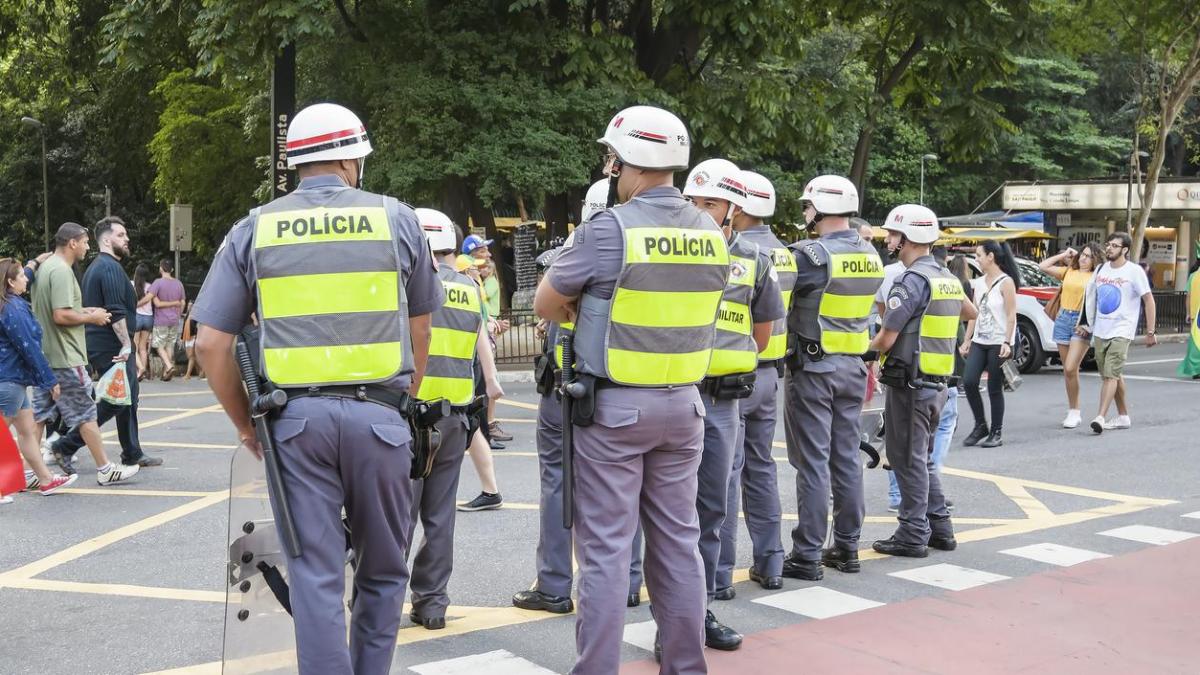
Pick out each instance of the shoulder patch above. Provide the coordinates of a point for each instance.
(894, 302)
(813, 251)
(898, 291)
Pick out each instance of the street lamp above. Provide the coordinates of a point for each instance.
(929, 157)
(29, 121)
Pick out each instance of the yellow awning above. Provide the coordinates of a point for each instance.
(958, 235)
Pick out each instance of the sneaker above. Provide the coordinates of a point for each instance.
(47, 452)
(949, 505)
(31, 481)
(483, 502)
(64, 462)
(495, 444)
(894, 508)
(56, 483)
(1118, 422)
(497, 433)
(1073, 419)
(147, 460)
(117, 473)
(1098, 424)
(5, 499)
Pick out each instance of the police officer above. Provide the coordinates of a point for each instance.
(753, 473)
(342, 284)
(749, 309)
(552, 590)
(919, 331)
(836, 279)
(457, 334)
(645, 279)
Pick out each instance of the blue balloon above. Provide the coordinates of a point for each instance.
(1108, 297)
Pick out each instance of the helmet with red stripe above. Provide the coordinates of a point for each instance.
(716, 179)
(325, 132)
(648, 138)
(438, 229)
(760, 195)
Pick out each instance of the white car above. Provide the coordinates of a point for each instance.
(1035, 330)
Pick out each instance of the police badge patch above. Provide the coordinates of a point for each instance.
(737, 270)
(894, 302)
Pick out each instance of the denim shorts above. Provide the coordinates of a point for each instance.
(13, 399)
(144, 323)
(1064, 327)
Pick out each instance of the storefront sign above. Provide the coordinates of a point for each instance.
(1096, 196)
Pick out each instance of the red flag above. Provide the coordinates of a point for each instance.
(12, 472)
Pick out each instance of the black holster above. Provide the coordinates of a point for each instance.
(423, 417)
(583, 409)
(895, 373)
(544, 374)
(800, 349)
(474, 408)
(726, 387)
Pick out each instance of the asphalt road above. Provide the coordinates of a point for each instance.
(130, 579)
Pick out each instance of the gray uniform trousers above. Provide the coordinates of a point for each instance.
(641, 456)
(720, 432)
(912, 419)
(356, 454)
(554, 566)
(434, 503)
(824, 400)
(753, 478)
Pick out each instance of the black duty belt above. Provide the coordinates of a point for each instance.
(369, 393)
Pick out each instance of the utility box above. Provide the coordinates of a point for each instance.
(181, 227)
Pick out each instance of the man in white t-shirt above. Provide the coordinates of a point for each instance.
(1115, 297)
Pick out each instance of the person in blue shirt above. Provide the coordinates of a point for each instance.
(22, 364)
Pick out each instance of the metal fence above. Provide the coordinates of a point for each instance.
(518, 345)
(1170, 315)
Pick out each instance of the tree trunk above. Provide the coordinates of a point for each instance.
(481, 215)
(1152, 175)
(556, 209)
(862, 157)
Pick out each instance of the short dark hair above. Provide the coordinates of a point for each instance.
(1123, 237)
(166, 266)
(69, 232)
(105, 225)
(939, 253)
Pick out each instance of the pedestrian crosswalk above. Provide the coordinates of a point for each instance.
(818, 601)
(1146, 534)
(1055, 554)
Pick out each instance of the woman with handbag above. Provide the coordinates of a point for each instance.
(989, 338)
(1075, 269)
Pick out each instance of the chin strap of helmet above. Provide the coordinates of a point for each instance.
(613, 175)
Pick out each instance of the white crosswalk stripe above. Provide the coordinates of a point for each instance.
(1055, 554)
(817, 602)
(950, 577)
(1146, 534)
(499, 662)
(641, 635)
(1193, 514)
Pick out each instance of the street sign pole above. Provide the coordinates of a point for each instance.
(283, 107)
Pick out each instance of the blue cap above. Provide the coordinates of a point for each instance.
(473, 242)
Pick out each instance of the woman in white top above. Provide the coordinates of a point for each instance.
(144, 321)
(989, 338)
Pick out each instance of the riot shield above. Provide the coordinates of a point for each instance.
(259, 635)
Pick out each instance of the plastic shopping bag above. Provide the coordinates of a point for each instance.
(12, 474)
(113, 386)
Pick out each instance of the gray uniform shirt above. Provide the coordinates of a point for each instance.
(907, 300)
(229, 297)
(767, 304)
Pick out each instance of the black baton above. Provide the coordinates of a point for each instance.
(260, 406)
(570, 390)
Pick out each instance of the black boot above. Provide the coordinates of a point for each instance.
(841, 559)
(993, 440)
(977, 434)
(798, 568)
(719, 636)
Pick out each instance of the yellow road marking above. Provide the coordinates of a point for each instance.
(517, 404)
(516, 421)
(94, 544)
(1033, 508)
(125, 590)
(163, 394)
(145, 409)
(171, 444)
(1054, 487)
(133, 493)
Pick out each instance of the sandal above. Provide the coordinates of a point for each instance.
(168, 374)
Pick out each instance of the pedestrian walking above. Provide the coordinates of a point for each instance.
(58, 307)
(23, 365)
(1114, 301)
(1190, 366)
(837, 276)
(753, 484)
(989, 339)
(457, 332)
(105, 284)
(343, 285)
(169, 299)
(916, 343)
(143, 319)
(1075, 269)
(645, 279)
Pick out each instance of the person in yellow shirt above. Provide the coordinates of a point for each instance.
(1075, 269)
(1190, 366)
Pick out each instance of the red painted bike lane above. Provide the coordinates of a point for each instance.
(1133, 613)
